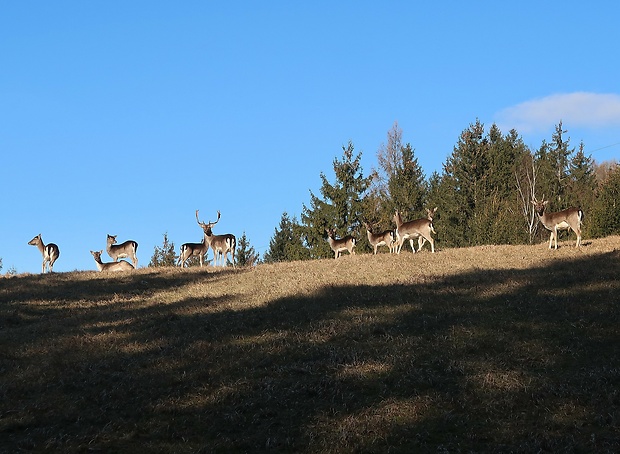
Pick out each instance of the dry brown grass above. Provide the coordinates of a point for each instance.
(503, 348)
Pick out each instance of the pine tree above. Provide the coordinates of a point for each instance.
(341, 207)
(245, 255)
(164, 255)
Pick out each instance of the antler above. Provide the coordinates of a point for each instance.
(201, 224)
(211, 224)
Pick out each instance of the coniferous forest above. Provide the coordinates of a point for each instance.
(483, 194)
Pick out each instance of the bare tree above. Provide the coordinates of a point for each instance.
(389, 157)
(526, 190)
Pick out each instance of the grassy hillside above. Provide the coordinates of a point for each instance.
(504, 348)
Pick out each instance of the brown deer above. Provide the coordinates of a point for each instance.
(110, 266)
(49, 251)
(123, 250)
(221, 244)
(569, 219)
(346, 243)
(385, 238)
(418, 228)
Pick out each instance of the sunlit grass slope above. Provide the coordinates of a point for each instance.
(497, 348)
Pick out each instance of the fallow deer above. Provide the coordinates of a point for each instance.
(569, 219)
(124, 250)
(418, 228)
(49, 251)
(346, 243)
(220, 244)
(110, 266)
(385, 238)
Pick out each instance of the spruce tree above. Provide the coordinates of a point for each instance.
(604, 217)
(341, 206)
(286, 243)
(164, 255)
(406, 186)
(462, 189)
(582, 179)
(502, 209)
(559, 156)
(245, 255)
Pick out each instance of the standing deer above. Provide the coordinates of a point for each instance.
(385, 238)
(123, 250)
(193, 249)
(346, 243)
(110, 266)
(49, 251)
(418, 228)
(569, 219)
(220, 244)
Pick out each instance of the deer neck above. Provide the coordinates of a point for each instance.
(41, 247)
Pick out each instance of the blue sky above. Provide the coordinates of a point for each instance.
(126, 117)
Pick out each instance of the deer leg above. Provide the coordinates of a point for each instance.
(578, 233)
(551, 239)
(411, 244)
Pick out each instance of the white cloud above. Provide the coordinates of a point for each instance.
(581, 109)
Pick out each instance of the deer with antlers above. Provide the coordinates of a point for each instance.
(220, 244)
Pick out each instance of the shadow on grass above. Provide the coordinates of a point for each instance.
(510, 360)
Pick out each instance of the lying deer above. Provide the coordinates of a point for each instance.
(110, 266)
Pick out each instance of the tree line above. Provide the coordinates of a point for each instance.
(484, 193)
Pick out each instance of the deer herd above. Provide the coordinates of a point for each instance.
(222, 245)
